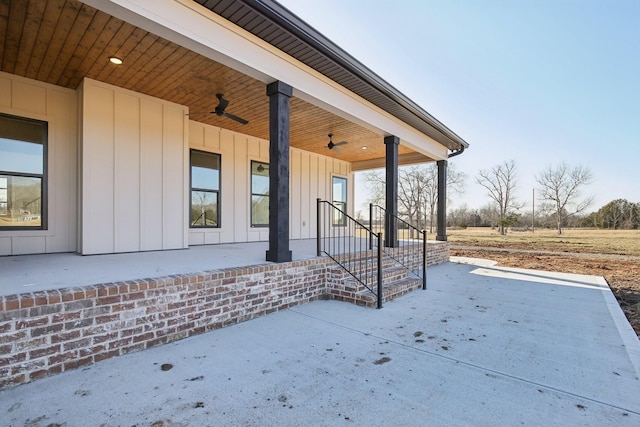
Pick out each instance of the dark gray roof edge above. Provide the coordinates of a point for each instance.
(298, 27)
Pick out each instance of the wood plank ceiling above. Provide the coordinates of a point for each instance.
(62, 41)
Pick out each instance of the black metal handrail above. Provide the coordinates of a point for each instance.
(377, 220)
(345, 240)
(407, 249)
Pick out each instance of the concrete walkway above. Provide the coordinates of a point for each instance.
(482, 346)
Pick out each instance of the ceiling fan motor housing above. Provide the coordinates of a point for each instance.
(331, 144)
(222, 105)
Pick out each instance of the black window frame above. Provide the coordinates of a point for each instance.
(206, 190)
(341, 220)
(44, 188)
(252, 193)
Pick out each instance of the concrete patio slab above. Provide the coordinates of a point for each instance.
(484, 345)
(31, 273)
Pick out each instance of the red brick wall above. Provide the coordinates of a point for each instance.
(48, 332)
(44, 333)
(437, 253)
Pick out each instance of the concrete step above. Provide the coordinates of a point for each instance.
(389, 275)
(396, 280)
(363, 270)
(390, 292)
(355, 261)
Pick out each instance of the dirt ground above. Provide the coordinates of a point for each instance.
(623, 275)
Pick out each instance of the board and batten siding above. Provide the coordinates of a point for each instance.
(118, 173)
(310, 178)
(134, 171)
(59, 108)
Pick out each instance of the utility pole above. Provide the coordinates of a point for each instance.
(533, 211)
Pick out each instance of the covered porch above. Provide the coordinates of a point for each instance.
(130, 98)
(29, 274)
(64, 311)
(244, 82)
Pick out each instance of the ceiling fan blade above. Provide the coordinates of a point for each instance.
(332, 145)
(236, 118)
(200, 112)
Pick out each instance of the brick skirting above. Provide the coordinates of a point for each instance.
(44, 333)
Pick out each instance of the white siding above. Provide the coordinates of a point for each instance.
(241, 188)
(133, 170)
(125, 186)
(151, 169)
(97, 170)
(304, 196)
(57, 106)
(310, 176)
(127, 161)
(227, 193)
(175, 177)
(295, 196)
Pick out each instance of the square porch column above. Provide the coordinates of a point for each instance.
(391, 199)
(441, 228)
(279, 111)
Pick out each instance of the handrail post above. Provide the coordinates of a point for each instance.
(370, 225)
(424, 259)
(379, 270)
(318, 227)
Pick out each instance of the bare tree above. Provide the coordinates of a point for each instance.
(489, 215)
(411, 194)
(633, 221)
(561, 185)
(375, 183)
(455, 184)
(417, 191)
(615, 212)
(500, 182)
(460, 216)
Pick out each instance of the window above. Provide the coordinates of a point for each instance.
(205, 189)
(340, 200)
(23, 177)
(259, 194)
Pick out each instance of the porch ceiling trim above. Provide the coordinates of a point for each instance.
(403, 160)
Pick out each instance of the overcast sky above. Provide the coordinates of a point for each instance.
(536, 81)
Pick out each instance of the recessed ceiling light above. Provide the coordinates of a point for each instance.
(364, 147)
(115, 60)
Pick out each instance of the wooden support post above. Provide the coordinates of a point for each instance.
(391, 199)
(279, 110)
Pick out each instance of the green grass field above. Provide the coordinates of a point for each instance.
(620, 242)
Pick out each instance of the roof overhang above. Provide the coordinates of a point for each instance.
(183, 52)
(275, 24)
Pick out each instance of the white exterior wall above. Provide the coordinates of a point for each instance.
(310, 176)
(134, 171)
(118, 173)
(58, 106)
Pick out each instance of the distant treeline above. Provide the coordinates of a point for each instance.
(618, 214)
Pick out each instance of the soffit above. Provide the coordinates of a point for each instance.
(62, 41)
(274, 24)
